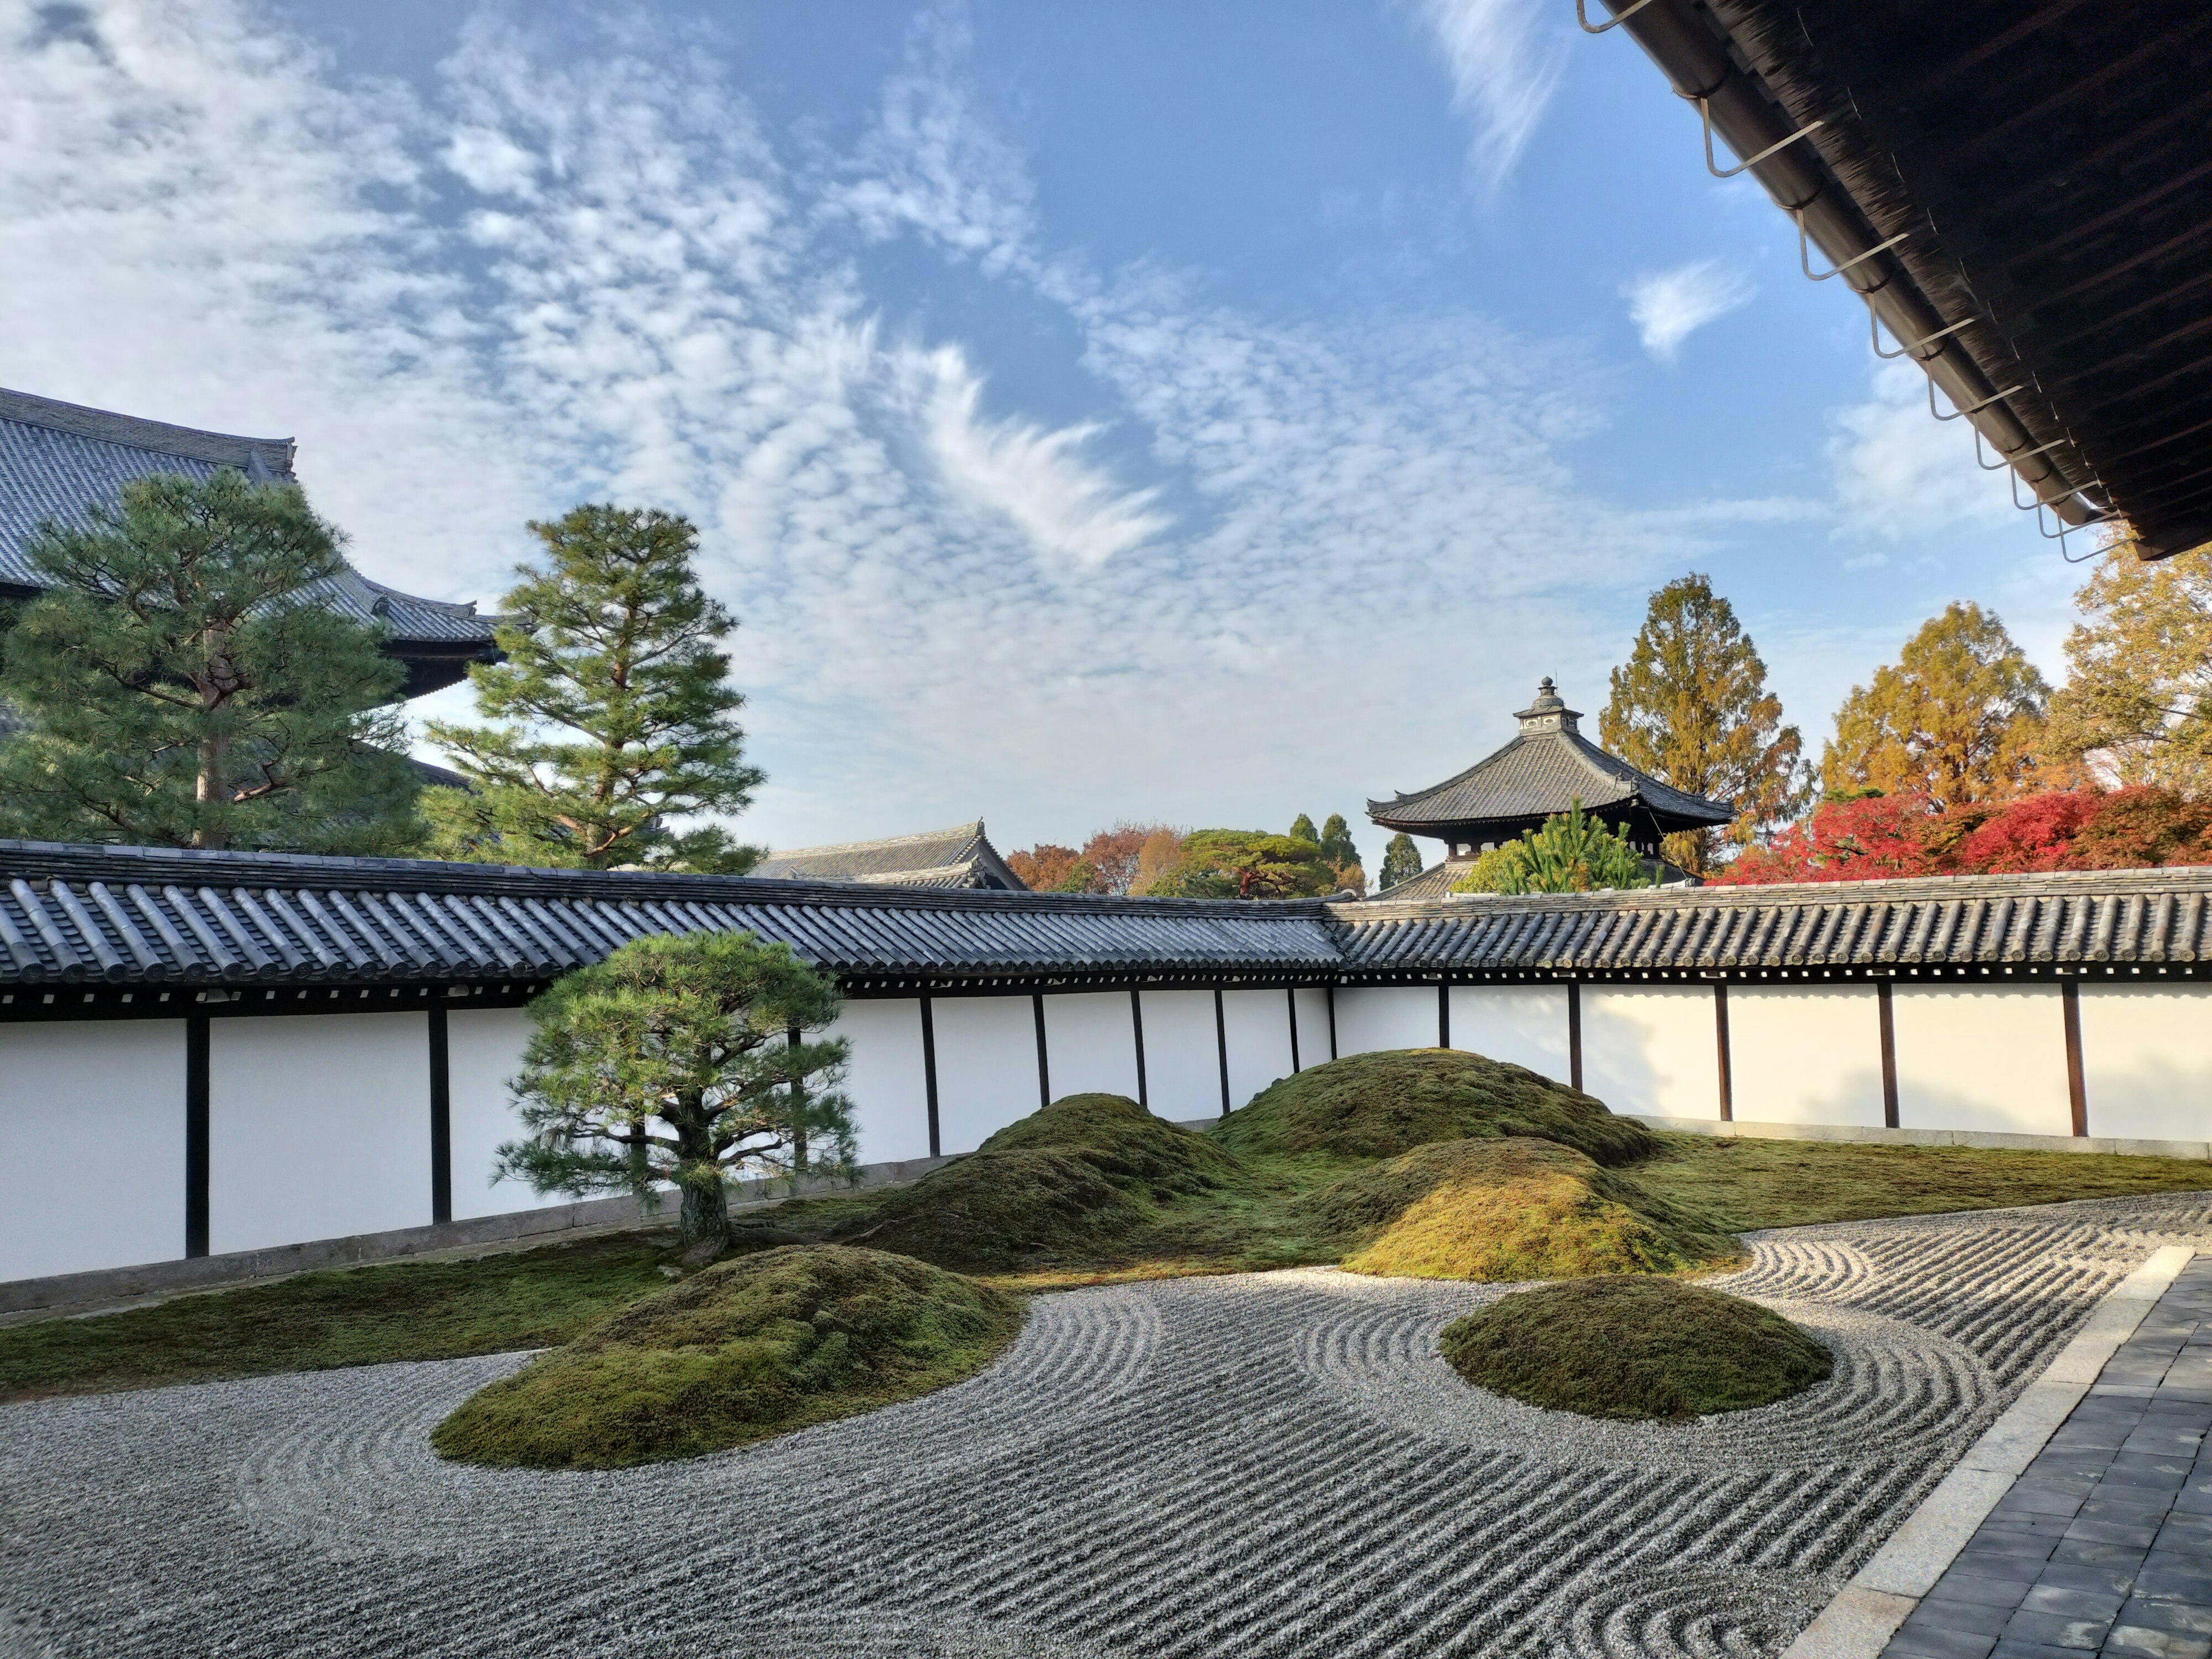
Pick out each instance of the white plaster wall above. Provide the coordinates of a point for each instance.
(1991, 1058)
(1526, 1024)
(92, 1146)
(1256, 1025)
(1182, 1060)
(986, 1069)
(2147, 1060)
(319, 1126)
(1313, 1027)
(1372, 1016)
(483, 1052)
(1805, 1053)
(1091, 1044)
(1652, 1049)
(886, 1079)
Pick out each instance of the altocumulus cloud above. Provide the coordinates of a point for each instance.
(546, 279)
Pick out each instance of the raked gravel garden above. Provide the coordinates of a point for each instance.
(1256, 1463)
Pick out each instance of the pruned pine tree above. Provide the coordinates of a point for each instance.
(1572, 853)
(1402, 861)
(671, 1063)
(184, 684)
(618, 717)
(1251, 864)
(1691, 707)
(1957, 717)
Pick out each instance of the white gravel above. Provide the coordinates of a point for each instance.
(1266, 1464)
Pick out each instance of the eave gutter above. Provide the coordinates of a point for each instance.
(1752, 124)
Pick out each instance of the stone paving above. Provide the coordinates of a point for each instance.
(2103, 1546)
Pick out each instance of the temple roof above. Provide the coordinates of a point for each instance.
(1543, 771)
(959, 857)
(58, 459)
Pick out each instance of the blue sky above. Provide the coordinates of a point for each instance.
(1197, 413)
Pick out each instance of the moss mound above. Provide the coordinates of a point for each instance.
(747, 1349)
(1634, 1348)
(1382, 1104)
(1509, 1209)
(1060, 1185)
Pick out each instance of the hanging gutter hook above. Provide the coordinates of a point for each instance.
(1804, 259)
(1908, 351)
(1618, 17)
(1961, 414)
(1706, 120)
(2012, 458)
(2043, 500)
(2066, 530)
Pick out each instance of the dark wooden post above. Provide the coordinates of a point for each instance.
(1221, 1047)
(1137, 1026)
(1574, 1036)
(1444, 1016)
(1720, 1034)
(1888, 1053)
(1332, 1021)
(195, 1135)
(441, 1120)
(1044, 1067)
(929, 1073)
(2077, 1089)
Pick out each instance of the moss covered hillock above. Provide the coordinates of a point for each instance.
(1379, 1105)
(1633, 1348)
(1060, 1185)
(1507, 1209)
(748, 1348)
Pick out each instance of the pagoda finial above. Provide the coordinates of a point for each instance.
(1549, 712)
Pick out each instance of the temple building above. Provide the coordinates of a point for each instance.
(960, 857)
(1541, 772)
(58, 460)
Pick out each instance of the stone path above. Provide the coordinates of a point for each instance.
(1271, 1464)
(2104, 1545)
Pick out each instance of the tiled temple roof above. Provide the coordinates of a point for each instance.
(960, 856)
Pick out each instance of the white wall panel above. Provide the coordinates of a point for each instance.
(483, 1053)
(1805, 1053)
(1313, 1027)
(1652, 1050)
(1525, 1024)
(987, 1066)
(1183, 1059)
(2147, 1060)
(1091, 1044)
(92, 1146)
(319, 1126)
(1257, 1025)
(886, 1079)
(1991, 1059)
(1372, 1016)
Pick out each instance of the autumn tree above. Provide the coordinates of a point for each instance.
(1114, 854)
(1957, 717)
(2138, 700)
(1402, 861)
(1691, 707)
(1047, 866)
(672, 1063)
(618, 717)
(184, 681)
(1159, 864)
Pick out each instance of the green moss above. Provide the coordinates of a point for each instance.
(746, 1349)
(1509, 1209)
(1125, 1143)
(1633, 1348)
(1379, 1105)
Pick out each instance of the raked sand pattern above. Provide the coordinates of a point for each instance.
(1267, 1464)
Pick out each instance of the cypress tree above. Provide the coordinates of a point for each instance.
(1336, 843)
(1302, 829)
(1402, 861)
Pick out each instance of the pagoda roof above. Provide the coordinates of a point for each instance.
(959, 857)
(1543, 771)
(58, 460)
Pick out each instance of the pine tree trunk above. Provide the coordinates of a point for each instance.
(706, 1213)
(210, 788)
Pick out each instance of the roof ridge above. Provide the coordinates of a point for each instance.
(137, 432)
(973, 829)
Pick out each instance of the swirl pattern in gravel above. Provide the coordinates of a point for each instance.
(1270, 1464)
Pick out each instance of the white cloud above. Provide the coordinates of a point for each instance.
(1667, 305)
(1505, 58)
(1900, 474)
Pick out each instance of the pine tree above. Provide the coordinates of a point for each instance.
(2138, 691)
(1402, 861)
(673, 1062)
(1691, 708)
(1572, 853)
(1957, 717)
(184, 685)
(620, 717)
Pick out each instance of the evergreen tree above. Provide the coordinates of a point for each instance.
(1957, 717)
(1251, 864)
(1302, 829)
(1336, 842)
(183, 686)
(1691, 708)
(1402, 861)
(1571, 853)
(620, 717)
(671, 1063)
(2138, 691)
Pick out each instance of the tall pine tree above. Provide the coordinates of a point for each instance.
(620, 717)
(1691, 708)
(182, 685)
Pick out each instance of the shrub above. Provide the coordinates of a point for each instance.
(1571, 853)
